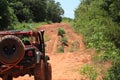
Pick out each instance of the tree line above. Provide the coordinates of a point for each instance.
(99, 22)
(28, 11)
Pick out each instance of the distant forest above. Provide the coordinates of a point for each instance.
(12, 11)
(99, 22)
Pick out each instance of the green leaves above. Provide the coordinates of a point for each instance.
(89, 72)
(99, 22)
(29, 11)
(92, 19)
(54, 11)
(7, 16)
(61, 32)
(37, 10)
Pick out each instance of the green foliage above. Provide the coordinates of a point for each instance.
(74, 46)
(3, 11)
(65, 19)
(23, 27)
(54, 11)
(21, 11)
(89, 72)
(68, 20)
(96, 25)
(96, 58)
(99, 22)
(12, 11)
(7, 15)
(60, 49)
(64, 40)
(113, 7)
(37, 10)
(25, 39)
(12, 19)
(61, 32)
(114, 71)
(27, 26)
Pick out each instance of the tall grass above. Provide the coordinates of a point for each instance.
(27, 26)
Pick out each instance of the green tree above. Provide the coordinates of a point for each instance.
(21, 11)
(113, 7)
(7, 17)
(99, 22)
(3, 15)
(39, 10)
(54, 11)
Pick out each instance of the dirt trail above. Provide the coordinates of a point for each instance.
(65, 66)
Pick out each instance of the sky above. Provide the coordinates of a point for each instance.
(69, 7)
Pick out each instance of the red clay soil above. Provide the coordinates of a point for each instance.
(65, 66)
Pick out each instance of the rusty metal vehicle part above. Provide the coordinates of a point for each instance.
(12, 49)
(23, 52)
(43, 71)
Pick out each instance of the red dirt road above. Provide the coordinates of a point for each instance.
(65, 66)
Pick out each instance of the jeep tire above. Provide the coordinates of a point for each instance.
(43, 71)
(12, 49)
(48, 72)
(39, 71)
